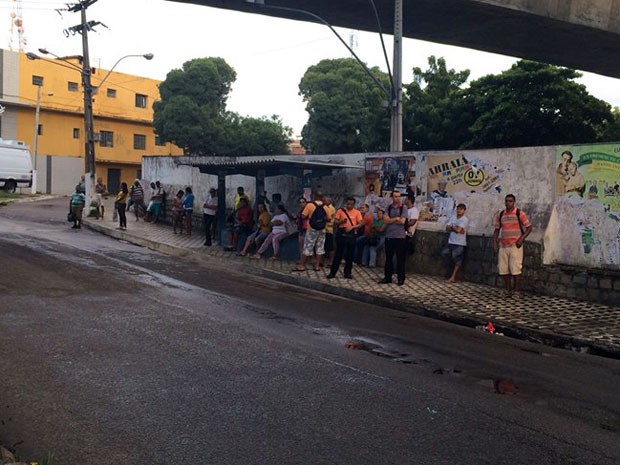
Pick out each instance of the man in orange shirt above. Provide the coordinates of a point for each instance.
(348, 221)
(515, 227)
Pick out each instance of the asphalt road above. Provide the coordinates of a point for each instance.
(114, 354)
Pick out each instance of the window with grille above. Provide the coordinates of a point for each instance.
(139, 141)
(106, 139)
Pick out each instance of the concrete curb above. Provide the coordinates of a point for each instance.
(511, 330)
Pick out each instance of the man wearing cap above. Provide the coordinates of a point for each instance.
(457, 240)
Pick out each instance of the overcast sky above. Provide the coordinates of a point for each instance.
(269, 55)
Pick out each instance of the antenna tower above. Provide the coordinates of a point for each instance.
(353, 42)
(17, 28)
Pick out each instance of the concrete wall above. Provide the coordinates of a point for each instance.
(527, 172)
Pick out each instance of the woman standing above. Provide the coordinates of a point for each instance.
(188, 209)
(302, 224)
(121, 204)
(177, 212)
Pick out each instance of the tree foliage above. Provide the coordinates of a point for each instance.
(347, 111)
(430, 119)
(192, 114)
(529, 104)
(532, 104)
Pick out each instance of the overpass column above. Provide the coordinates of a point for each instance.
(396, 126)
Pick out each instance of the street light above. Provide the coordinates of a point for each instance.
(396, 92)
(89, 91)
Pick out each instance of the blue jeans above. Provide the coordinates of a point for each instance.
(369, 256)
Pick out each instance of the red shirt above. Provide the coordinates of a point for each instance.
(244, 216)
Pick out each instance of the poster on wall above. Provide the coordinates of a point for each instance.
(587, 185)
(385, 174)
(591, 172)
(457, 173)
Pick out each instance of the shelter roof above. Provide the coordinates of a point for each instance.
(272, 165)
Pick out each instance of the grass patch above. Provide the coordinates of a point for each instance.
(610, 424)
(6, 196)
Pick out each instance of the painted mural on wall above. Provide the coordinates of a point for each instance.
(587, 209)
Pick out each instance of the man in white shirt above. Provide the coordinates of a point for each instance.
(413, 214)
(209, 212)
(457, 240)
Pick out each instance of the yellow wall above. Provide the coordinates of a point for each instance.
(63, 111)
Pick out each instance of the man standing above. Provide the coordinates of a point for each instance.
(515, 227)
(413, 214)
(318, 216)
(241, 195)
(348, 221)
(209, 212)
(457, 240)
(330, 243)
(395, 243)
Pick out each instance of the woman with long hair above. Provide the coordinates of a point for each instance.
(121, 204)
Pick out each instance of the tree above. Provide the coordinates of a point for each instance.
(192, 114)
(532, 104)
(347, 110)
(430, 119)
(610, 131)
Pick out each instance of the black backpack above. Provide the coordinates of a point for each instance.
(318, 219)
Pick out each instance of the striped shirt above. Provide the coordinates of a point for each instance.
(510, 228)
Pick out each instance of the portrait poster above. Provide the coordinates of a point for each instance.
(388, 173)
(591, 172)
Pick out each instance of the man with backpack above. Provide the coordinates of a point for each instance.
(515, 226)
(395, 239)
(314, 243)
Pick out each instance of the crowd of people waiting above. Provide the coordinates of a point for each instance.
(326, 235)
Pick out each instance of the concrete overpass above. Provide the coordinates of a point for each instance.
(580, 34)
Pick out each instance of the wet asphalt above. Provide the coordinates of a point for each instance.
(113, 353)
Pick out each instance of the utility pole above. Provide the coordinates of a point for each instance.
(396, 131)
(89, 133)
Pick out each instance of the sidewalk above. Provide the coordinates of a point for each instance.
(549, 320)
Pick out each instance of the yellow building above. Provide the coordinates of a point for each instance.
(123, 120)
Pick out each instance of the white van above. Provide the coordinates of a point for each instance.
(15, 165)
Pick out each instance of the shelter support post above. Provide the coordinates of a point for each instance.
(220, 221)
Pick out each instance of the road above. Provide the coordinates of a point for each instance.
(115, 354)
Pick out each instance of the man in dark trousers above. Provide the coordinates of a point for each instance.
(347, 221)
(395, 242)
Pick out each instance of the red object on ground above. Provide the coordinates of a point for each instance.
(490, 328)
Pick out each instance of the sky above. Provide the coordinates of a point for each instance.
(269, 55)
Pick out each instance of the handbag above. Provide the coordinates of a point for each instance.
(71, 217)
(373, 240)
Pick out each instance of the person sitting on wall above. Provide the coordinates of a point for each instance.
(243, 224)
(263, 228)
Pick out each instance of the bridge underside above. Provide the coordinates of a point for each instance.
(464, 23)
